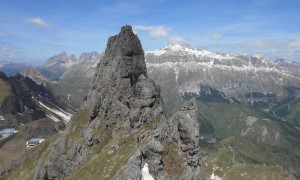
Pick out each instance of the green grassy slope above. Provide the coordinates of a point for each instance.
(5, 90)
(15, 148)
(105, 160)
(242, 158)
(26, 168)
(247, 141)
(221, 120)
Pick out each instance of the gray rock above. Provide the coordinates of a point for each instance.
(152, 153)
(98, 124)
(61, 160)
(122, 99)
(181, 130)
(185, 129)
(133, 167)
(121, 88)
(88, 136)
(191, 173)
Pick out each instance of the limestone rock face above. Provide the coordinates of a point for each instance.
(185, 132)
(177, 136)
(121, 89)
(64, 156)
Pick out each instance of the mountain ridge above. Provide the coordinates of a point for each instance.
(122, 104)
(176, 59)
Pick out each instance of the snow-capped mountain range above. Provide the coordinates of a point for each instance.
(181, 53)
(178, 57)
(188, 50)
(181, 70)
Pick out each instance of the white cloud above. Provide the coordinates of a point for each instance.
(37, 21)
(215, 35)
(176, 39)
(9, 52)
(154, 31)
(294, 44)
(275, 48)
(264, 44)
(159, 32)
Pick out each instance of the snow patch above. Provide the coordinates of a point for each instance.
(28, 110)
(265, 131)
(257, 56)
(191, 51)
(194, 87)
(191, 88)
(214, 177)
(250, 120)
(243, 174)
(52, 117)
(2, 118)
(176, 71)
(277, 136)
(145, 173)
(157, 52)
(297, 128)
(210, 64)
(243, 133)
(64, 115)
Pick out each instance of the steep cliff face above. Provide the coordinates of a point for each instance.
(121, 126)
(172, 148)
(121, 90)
(253, 81)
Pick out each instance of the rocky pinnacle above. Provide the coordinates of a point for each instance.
(121, 89)
(126, 103)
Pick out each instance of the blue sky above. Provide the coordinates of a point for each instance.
(31, 31)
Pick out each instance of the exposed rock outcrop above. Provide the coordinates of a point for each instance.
(122, 98)
(121, 90)
(64, 157)
(3, 75)
(125, 103)
(172, 151)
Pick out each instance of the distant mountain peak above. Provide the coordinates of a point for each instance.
(178, 46)
(61, 59)
(185, 49)
(90, 56)
(257, 56)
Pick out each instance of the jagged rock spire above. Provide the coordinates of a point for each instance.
(121, 101)
(121, 88)
(123, 58)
